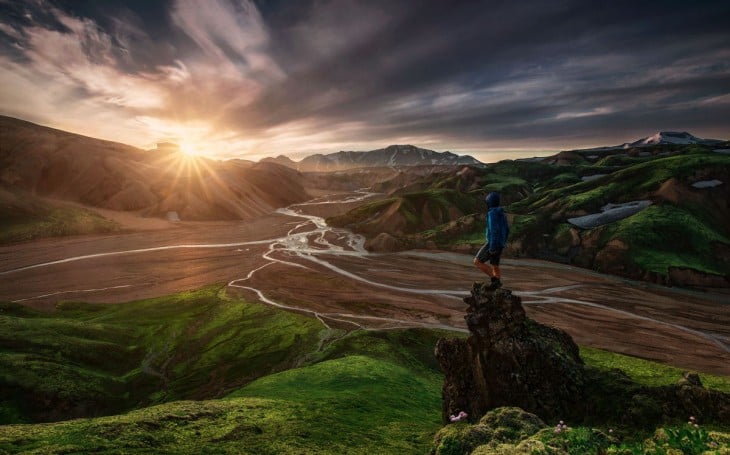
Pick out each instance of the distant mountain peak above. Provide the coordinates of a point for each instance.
(392, 155)
(658, 138)
(670, 137)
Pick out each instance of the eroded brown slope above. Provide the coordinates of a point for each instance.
(51, 163)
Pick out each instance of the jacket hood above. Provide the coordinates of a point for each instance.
(492, 200)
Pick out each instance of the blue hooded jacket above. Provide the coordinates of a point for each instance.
(497, 225)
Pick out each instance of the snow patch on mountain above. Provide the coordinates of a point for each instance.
(658, 138)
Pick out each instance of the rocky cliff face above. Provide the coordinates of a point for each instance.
(509, 360)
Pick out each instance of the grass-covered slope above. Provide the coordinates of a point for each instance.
(283, 383)
(364, 392)
(354, 404)
(682, 238)
(88, 359)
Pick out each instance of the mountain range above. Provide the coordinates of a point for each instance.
(660, 138)
(677, 183)
(393, 155)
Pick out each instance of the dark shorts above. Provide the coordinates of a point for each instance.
(484, 255)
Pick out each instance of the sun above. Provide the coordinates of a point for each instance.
(188, 150)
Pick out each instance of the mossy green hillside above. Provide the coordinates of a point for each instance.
(354, 404)
(88, 359)
(415, 211)
(687, 231)
(685, 227)
(665, 236)
(365, 392)
(362, 392)
(629, 183)
(645, 372)
(391, 406)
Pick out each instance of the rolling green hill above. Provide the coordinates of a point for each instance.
(86, 360)
(197, 372)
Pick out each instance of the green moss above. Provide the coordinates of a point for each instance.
(566, 178)
(664, 236)
(645, 372)
(350, 403)
(522, 224)
(412, 348)
(461, 438)
(339, 396)
(502, 183)
(193, 344)
(565, 439)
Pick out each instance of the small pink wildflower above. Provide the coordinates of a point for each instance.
(459, 417)
(692, 418)
(697, 426)
(610, 430)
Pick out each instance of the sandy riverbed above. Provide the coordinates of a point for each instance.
(321, 272)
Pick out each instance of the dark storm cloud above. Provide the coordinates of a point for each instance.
(281, 76)
(517, 71)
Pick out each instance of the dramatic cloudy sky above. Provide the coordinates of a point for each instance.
(252, 78)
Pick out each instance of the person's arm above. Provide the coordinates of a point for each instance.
(492, 232)
(504, 226)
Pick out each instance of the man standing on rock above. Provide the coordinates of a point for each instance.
(497, 231)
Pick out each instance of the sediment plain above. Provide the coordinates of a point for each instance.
(293, 260)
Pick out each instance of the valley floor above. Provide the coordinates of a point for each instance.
(293, 260)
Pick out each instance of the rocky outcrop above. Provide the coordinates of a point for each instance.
(509, 360)
(384, 242)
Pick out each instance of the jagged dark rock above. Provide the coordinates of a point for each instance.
(509, 360)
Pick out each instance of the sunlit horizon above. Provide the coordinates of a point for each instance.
(251, 80)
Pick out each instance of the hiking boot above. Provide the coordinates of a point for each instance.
(496, 283)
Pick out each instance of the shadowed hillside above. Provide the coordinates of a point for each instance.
(49, 163)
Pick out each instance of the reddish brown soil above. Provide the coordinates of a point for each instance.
(682, 328)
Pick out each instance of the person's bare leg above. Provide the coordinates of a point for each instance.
(497, 272)
(486, 268)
